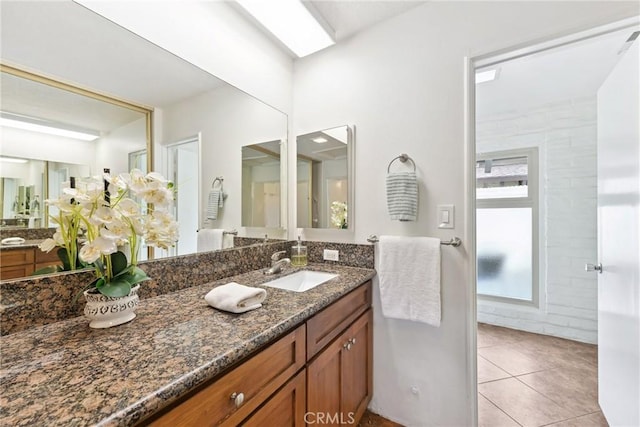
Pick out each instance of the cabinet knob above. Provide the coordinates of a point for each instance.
(353, 341)
(238, 399)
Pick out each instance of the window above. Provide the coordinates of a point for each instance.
(507, 224)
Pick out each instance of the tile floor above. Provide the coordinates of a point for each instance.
(527, 379)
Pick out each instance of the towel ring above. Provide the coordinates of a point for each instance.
(218, 178)
(403, 158)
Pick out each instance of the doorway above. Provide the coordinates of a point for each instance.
(537, 307)
(183, 169)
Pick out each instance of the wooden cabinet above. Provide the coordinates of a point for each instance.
(273, 388)
(285, 409)
(16, 263)
(340, 379)
(21, 262)
(231, 398)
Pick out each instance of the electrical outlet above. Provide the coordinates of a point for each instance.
(331, 255)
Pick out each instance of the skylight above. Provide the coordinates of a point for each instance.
(292, 23)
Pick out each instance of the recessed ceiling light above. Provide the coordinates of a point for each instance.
(12, 160)
(37, 125)
(319, 140)
(292, 23)
(486, 76)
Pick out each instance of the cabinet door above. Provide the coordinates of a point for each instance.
(340, 379)
(286, 408)
(324, 387)
(357, 367)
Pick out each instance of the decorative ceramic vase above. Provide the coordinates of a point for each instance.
(105, 312)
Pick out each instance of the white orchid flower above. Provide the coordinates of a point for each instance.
(157, 194)
(128, 207)
(103, 215)
(47, 245)
(91, 251)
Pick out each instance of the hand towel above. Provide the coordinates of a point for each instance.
(216, 200)
(235, 298)
(402, 196)
(409, 277)
(210, 239)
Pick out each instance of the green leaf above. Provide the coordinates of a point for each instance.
(116, 288)
(95, 284)
(48, 270)
(64, 257)
(118, 262)
(136, 276)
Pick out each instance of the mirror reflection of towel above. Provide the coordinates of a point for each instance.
(216, 200)
(210, 239)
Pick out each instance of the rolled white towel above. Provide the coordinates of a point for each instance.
(235, 298)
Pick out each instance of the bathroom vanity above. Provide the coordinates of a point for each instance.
(182, 362)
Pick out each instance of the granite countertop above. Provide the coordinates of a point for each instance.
(66, 373)
(25, 244)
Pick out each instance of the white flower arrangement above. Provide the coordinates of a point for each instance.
(101, 224)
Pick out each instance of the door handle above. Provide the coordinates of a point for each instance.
(593, 267)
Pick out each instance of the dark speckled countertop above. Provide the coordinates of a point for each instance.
(68, 374)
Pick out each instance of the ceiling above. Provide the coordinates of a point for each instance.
(73, 44)
(573, 71)
(349, 17)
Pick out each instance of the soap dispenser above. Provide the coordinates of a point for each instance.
(299, 254)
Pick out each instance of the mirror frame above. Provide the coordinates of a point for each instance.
(351, 175)
(39, 78)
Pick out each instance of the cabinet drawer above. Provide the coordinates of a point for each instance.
(50, 258)
(256, 379)
(15, 271)
(16, 257)
(330, 322)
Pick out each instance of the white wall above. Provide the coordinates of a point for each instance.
(401, 84)
(112, 150)
(212, 36)
(565, 133)
(227, 119)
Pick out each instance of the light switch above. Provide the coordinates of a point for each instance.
(446, 218)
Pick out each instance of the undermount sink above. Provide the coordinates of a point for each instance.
(301, 281)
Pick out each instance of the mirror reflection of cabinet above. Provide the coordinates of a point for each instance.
(261, 185)
(325, 179)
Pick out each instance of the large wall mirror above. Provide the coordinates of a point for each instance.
(199, 122)
(325, 179)
(53, 132)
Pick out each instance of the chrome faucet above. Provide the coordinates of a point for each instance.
(277, 263)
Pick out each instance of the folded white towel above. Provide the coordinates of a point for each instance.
(235, 298)
(402, 196)
(210, 239)
(409, 277)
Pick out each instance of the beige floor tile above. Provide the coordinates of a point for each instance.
(513, 361)
(487, 371)
(524, 405)
(592, 420)
(489, 335)
(489, 415)
(574, 389)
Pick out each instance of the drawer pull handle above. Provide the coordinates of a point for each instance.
(238, 399)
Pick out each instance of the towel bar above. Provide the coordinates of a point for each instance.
(455, 241)
(234, 232)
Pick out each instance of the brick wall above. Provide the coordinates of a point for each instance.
(565, 133)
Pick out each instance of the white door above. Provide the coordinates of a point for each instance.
(618, 241)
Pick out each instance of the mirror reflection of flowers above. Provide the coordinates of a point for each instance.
(339, 214)
(102, 227)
